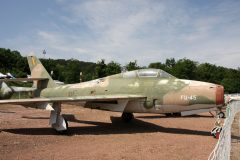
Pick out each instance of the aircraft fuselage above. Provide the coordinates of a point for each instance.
(163, 94)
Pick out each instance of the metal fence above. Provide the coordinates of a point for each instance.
(223, 147)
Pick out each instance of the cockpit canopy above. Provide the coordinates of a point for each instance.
(147, 73)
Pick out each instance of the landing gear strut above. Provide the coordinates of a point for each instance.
(127, 117)
(215, 132)
(57, 121)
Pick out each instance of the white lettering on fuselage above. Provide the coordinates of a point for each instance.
(189, 97)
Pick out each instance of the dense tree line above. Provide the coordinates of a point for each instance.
(68, 71)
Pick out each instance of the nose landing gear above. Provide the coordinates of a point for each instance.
(221, 115)
(215, 132)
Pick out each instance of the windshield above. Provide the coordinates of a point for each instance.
(164, 74)
(147, 73)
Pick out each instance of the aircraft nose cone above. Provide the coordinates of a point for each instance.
(219, 95)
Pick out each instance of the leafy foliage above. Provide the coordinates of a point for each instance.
(132, 66)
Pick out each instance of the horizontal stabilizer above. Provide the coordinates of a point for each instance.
(23, 89)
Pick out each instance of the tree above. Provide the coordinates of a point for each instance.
(132, 66)
(231, 81)
(185, 68)
(209, 73)
(101, 69)
(113, 68)
(170, 63)
(157, 65)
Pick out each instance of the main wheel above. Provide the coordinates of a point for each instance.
(169, 114)
(61, 129)
(177, 114)
(127, 117)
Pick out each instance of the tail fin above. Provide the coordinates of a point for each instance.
(38, 71)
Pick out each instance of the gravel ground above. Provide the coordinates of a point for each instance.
(93, 135)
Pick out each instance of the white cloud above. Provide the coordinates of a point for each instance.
(146, 31)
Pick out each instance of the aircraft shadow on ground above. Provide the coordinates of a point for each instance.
(162, 116)
(30, 117)
(235, 137)
(103, 128)
(7, 112)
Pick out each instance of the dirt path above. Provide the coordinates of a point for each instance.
(95, 135)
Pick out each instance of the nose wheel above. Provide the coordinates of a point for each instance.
(221, 115)
(61, 127)
(127, 117)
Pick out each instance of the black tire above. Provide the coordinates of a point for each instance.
(127, 117)
(63, 131)
(221, 115)
(169, 114)
(177, 114)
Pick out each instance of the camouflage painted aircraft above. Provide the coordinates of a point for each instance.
(139, 91)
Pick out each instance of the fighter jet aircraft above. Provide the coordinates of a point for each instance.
(139, 91)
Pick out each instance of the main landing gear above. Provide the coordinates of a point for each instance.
(57, 121)
(127, 117)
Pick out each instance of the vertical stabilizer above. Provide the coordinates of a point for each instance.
(38, 71)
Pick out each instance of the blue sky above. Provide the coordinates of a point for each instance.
(124, 30)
